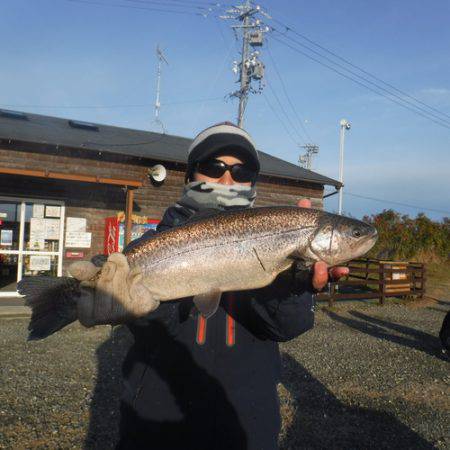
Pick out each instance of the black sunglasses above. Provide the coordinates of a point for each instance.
(214, 168)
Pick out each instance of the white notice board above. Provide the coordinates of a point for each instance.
(78, 239)
(76, 224)
(38, 262)
(52, 211)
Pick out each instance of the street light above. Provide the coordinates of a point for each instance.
(344, 125)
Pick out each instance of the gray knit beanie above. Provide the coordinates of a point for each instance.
(220, 137)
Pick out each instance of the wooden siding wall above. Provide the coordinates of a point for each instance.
(96, 202)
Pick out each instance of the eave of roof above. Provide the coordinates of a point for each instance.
(56, 131)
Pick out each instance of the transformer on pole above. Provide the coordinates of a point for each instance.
(250, 68)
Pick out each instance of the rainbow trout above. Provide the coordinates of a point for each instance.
(229, 251)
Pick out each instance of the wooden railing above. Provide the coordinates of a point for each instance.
(372, 278)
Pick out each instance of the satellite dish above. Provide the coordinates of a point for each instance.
(157, 173)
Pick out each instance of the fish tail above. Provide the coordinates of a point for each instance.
(53, 301)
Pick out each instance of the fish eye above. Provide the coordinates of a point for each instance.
(356, 233)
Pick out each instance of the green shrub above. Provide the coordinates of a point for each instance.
(404, 238)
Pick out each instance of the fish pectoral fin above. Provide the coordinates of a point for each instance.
(270, 264)
(207, 303)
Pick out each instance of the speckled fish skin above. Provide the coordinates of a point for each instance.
(245, 249)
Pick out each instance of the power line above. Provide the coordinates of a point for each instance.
(284, 112)
(280, 119)
(116, 5)
(445, 125)
(201, 3)
(143, 105)
(219, 72)
(287, 96)
(366, 80)
(168, 3)
(346, 61)
(397, 203)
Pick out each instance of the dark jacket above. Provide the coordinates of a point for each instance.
(209, 385)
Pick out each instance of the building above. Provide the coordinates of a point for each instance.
(70, 189)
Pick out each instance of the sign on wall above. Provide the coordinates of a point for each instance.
(76, 235)
(76, 224)
(78, 239)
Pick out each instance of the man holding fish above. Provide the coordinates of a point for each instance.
(207, 298)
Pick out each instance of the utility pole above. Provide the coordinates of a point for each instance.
(250, 68)
(344, 125)
(306, 159)
(161, 59)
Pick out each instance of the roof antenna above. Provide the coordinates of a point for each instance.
(161, 59)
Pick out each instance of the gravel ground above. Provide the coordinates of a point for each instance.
(365, 377)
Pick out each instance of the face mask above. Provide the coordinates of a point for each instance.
(199, 195)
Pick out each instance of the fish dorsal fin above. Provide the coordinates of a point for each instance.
(207, 303)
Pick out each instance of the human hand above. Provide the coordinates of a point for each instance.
(321, 272)
(112, 293)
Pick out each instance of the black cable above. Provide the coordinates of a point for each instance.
(279, 119)
(360, 83)
(112, 106)
(168, 3)
(284, 111)
(365, 79)
(287, 96)
(199, 3)
(289, 29)
(396, 203)
(115, 5)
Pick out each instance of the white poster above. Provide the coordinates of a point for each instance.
(37, 234)
(38, 211)
(78, 239)
(38, 262)
(6, 237)
(52, 211)
(76, 224)
(52, 229)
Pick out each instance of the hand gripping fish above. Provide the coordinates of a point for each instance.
(229, 251)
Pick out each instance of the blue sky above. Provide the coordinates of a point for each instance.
(75, 57)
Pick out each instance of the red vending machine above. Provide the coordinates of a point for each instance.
(115, 231)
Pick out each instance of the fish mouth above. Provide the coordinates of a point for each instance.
(367, 243)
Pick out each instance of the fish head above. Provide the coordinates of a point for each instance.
(340, 239)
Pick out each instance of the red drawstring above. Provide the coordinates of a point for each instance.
(231, 325)
(230, 337)
(201, 330)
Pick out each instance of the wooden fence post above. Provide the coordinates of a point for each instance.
(423, 281)
(331, 295)
(382, 284)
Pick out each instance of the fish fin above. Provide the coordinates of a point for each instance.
(53, 301)
(207, 303)
(269, 264)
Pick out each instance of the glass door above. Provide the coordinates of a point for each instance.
(9, 244)
(31, 240)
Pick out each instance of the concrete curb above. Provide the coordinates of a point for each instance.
(14, 312)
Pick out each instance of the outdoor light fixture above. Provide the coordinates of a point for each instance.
(157, 174)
